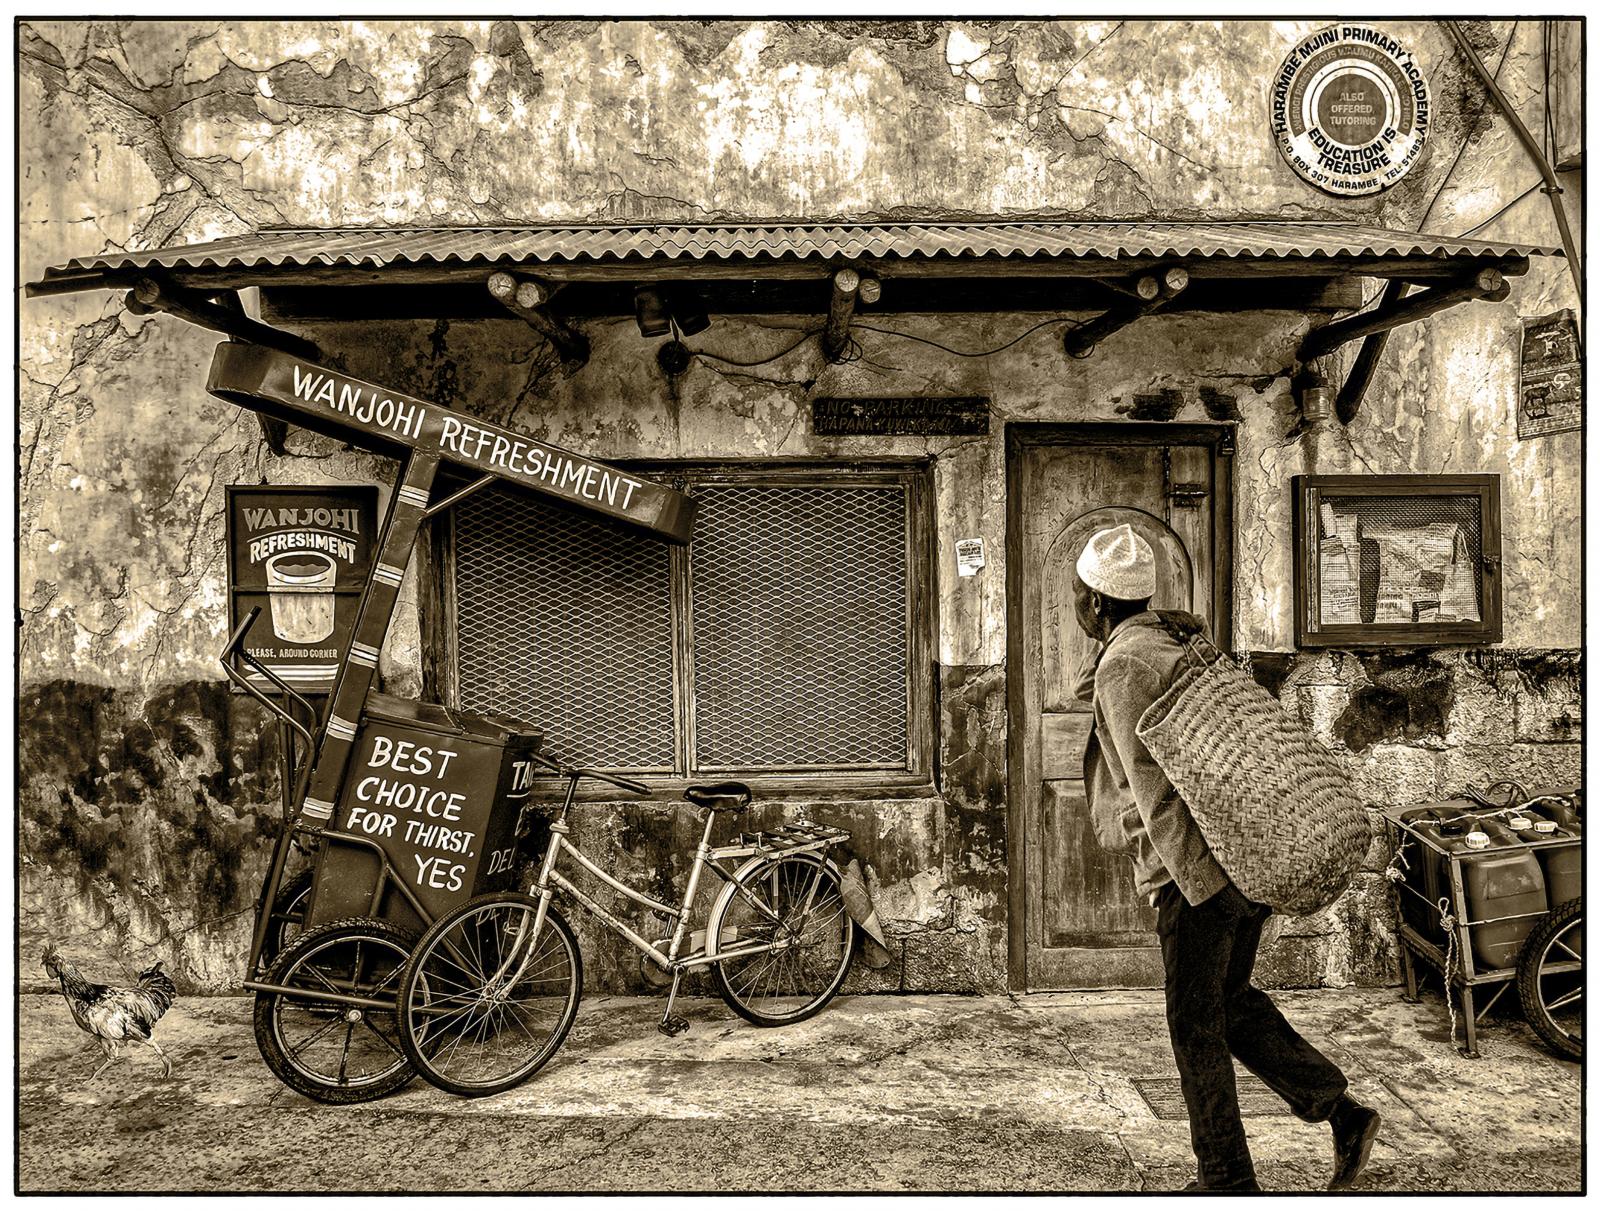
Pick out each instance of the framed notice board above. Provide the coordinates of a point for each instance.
(301, 554)
(1396, 560)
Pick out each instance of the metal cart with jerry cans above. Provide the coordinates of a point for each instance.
(1490, 889)
(403, 809)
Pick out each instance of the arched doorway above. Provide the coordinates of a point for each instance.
(1080, 924)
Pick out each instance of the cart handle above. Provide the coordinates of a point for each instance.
(566, 771)
(239, 679)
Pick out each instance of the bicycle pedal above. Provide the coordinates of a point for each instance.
(673, 1027)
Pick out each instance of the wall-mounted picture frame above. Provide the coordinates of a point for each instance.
(1396, 560)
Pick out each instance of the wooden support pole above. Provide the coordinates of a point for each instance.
(846, 285)
(1359, 379)
(536, 292)
(274, 432)
(526, 299)
(193, 307)
(1143, 287)
(870, 290)
(1486, 284)
(1150, 293)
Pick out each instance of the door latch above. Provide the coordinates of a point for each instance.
(1187, 496)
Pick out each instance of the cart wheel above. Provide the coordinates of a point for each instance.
(1550, 979)
(484, 1004)
(288, 916)
(330, 1052)
(800, 901)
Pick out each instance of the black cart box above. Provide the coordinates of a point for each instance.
(442, 794)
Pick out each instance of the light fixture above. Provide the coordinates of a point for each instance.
(688, 310)
(1316, 400)
(673, 358)
(650, 309)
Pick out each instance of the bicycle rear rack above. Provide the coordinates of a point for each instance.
(801, 837)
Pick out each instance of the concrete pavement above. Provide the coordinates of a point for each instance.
(1063, 1092)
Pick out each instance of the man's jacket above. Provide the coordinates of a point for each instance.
(1132, 805)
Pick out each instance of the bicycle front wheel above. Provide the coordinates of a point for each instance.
(787, 915)
(483, 1003)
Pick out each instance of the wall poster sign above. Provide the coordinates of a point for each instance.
(301, 554)
(900, 416)
(1350, 110)
(1550, 399)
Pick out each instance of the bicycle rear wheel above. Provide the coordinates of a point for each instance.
(796, 904)
(484, 1004)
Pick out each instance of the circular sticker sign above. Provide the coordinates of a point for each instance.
(1350, 110)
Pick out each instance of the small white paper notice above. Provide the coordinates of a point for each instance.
(969, 556)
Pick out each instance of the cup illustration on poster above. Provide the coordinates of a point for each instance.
(300, 555)
(300, 588)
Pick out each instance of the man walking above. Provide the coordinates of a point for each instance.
(1209, 931)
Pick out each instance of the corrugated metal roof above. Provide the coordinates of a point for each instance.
(376, 247)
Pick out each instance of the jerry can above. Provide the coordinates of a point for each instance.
(1504, 881)
(1443, 824)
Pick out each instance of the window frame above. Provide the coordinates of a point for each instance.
(440, 654)
(1311, 632)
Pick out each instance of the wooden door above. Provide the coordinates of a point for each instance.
(1081, 924)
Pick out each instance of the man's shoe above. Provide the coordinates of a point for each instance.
(1354, 1128)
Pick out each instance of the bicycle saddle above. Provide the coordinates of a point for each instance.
(719, 796)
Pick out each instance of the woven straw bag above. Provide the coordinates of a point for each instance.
(1273, 804)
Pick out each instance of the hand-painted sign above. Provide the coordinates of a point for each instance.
(446, 795)
(1350, 110)
(364, 413)
(302, 555)
(911, 416)
(1551, 398)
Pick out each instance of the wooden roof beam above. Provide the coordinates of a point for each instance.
(1489, 285)
(529, 298)
(848, 287)
(1418, 269)
(1147, 292)
(150, 295)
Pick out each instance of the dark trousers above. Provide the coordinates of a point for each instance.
(1213, 1015)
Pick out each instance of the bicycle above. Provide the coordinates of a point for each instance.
(492, 987)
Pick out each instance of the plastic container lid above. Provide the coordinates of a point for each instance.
(1477, 840)
(1544, 826)
(1519, 823)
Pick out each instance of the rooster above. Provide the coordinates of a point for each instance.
(115, 1015)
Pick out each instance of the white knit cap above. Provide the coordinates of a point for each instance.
(1119, 563)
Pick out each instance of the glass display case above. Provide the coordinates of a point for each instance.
(1396, 560)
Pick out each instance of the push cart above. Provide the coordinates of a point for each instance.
(1440, 920)
(399, 812)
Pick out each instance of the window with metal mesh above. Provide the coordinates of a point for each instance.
(795, 646)
(566, 621)
(800, 626)
(1399, 559)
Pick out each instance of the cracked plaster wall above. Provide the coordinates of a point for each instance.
(146, 832)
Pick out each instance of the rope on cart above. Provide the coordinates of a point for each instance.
(1447, 921)
(1395, 872)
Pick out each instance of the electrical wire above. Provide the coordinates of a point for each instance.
(1549, 109)
(852, 350)
(1488, 100)
(728, 361)
(1532, 189)
(976, 353)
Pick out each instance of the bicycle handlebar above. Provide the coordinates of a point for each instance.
(568, 771)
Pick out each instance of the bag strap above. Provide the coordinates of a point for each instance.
(1191, 648)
